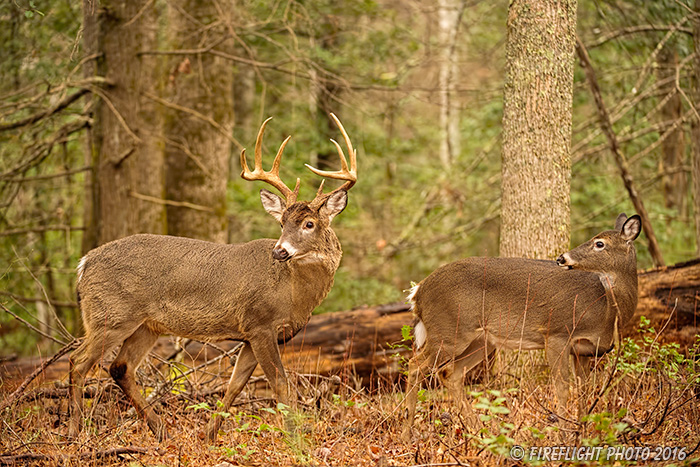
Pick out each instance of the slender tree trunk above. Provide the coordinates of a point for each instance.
(671, 163)
(197, 153)
(695, 129)
(122, 143)
(449, 16)
(536, 173)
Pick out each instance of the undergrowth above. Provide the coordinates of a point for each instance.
(644, 396)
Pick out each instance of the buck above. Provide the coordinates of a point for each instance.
(261, 293)
(467, 309)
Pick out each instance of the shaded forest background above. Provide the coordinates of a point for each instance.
(87, 90)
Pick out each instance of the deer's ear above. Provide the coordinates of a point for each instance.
(273, 204)
(334, 205)
(631, 228)
(620, 221)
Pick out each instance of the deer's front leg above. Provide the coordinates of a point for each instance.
(245, 365)
(267, 353)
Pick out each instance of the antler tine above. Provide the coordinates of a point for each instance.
(273, 176)
(349, 175)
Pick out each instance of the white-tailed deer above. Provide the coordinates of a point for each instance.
(467, 309)
(261, 293)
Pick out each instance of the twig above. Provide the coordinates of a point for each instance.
(61, 328)
(30, 325)
(620, 160)
(169, 202)
(18, 392)
(31, 456)
(46, 113)
(42, 228)
(226, 133)
(50, 176)
(20, 298)
(634, 30)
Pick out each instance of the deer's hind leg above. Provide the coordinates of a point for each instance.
(476, 352)
(427, 359)
(123, 369)
(95, 345)
(558, 353)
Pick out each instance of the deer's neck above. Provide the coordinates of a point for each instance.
(312, 275)
(621, 292)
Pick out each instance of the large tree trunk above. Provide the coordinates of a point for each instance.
(695, 129)
(197, 152)
(671, 164)
(122, 144)
(538, 94)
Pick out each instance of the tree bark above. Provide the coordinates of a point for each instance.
(671, 163)
(197, 154)
(122, 144)
(536, 172)
(449, 16)
(695, 128)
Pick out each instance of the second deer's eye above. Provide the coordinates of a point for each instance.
(309, 225)
(599, 245)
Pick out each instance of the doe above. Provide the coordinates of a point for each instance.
(261, 293)
(467, 309)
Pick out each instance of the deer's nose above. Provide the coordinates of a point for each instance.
(280, 254)
(563, 262)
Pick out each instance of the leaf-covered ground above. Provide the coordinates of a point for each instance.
(644, 397)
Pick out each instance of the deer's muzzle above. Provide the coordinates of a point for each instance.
(280, 254)
(564, 262)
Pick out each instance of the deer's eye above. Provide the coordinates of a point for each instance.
(599, 245)
(309, 225)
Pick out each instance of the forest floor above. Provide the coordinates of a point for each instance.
(639, 407)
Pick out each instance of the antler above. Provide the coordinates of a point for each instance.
(273, 176)
(349, 175)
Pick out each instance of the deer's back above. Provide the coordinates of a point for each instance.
(498, 294)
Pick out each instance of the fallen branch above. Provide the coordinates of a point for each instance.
(18, 392)
(33, 457)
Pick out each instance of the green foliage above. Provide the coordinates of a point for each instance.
(496, 434)
(608, 427)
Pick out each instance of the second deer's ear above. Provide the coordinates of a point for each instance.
(631, 228)
(273, 204)
(334, 205)
(620, 221)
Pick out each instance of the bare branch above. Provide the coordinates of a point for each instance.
(620, 160)
(168, 202)
(41, 228)
(611, 35)
(18, 392)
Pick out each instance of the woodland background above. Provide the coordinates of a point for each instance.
(122, 117)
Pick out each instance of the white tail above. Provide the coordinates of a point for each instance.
(467, 309)
(263, 292)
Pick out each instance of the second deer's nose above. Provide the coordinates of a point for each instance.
(280, 254)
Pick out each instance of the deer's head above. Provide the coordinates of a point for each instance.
(608, 252)
(306, 225)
